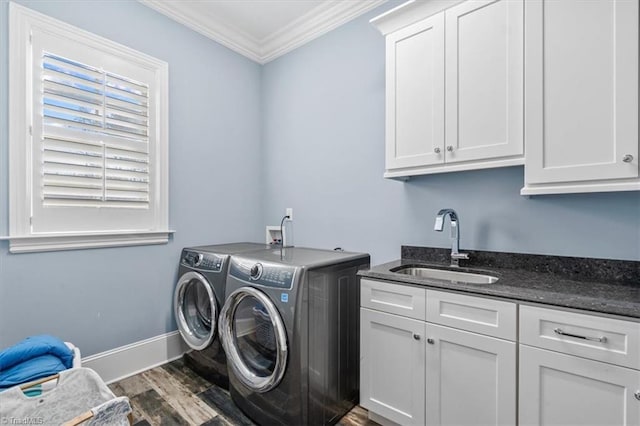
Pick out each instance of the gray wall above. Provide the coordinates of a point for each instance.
(323, 112)
(104, 298)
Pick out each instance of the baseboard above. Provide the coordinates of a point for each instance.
(119, 363)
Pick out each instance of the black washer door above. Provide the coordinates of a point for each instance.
(254, 339)
(196, 310)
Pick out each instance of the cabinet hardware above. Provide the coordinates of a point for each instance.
(637, 395)
(416, 336)
(430, 341)
(577, 336)
(436, 150)
(450, 148)
(627, 158)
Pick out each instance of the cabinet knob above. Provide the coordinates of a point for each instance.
(450, 148)
(416, 336)
(627, 158)
(436, 150)
(637, 395)
(430, 341)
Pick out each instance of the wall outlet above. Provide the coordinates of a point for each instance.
(289, 212)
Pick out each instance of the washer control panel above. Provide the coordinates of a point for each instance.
(202, 261)
(263, 274)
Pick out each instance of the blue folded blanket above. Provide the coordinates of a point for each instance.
(33, 358)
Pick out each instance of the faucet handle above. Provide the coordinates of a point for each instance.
(456, 257)
(459, 256)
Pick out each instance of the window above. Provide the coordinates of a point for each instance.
(88, 139)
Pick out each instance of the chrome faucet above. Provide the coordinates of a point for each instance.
(455, 234)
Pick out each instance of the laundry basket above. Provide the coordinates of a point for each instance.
(77, 358)
(78, 397)
(34, 358)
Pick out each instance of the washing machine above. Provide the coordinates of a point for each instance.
(198, 297)
(290, 329)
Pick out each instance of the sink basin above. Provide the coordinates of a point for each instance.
(446, 275)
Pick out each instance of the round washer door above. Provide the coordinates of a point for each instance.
(254, 339)
(196, 311)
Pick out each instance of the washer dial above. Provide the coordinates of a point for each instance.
(256, 271)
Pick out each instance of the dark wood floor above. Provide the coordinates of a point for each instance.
(173, 394)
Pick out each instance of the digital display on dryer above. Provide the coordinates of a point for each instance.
(262, 274)
(276, 277)
(202, 261)
(211, 262)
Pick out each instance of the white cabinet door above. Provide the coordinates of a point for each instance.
(558, 390)
(415, 94)
(581, 90)
(392, 350)
(484, 80)
(471, 379)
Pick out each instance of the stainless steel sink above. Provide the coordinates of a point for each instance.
(446, 275)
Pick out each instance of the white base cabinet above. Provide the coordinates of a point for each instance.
(558, 390)
(471, 378)
(578, 369)
(392, 378)
(414, 372)
(453, 359)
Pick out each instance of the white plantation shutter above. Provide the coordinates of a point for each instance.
(88, 137)
(79, 170)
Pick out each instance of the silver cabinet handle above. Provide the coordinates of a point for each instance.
(450, 148)
(436, 150)
(577, 336)
(637, 395)
(416, 336)
(430, 341)
(627, 158)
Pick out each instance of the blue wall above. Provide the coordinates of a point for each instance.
(305, 131)
(104, 298)
(323, 112)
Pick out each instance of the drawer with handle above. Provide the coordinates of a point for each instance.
(396, 299)
(587, 335)
(477, 314)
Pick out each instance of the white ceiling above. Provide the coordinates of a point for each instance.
(262, 30)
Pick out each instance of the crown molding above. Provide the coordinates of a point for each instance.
(409, 13)
(227, 35)
(313, 24)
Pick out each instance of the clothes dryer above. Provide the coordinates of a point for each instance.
(290, 329)
(198, 297)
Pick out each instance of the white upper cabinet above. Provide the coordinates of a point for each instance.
(484, 80)
(454, 86)
(581, 96)
(415, 100)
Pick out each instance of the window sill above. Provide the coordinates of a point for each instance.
(55, 242)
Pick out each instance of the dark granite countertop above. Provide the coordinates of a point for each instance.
(598, 285)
